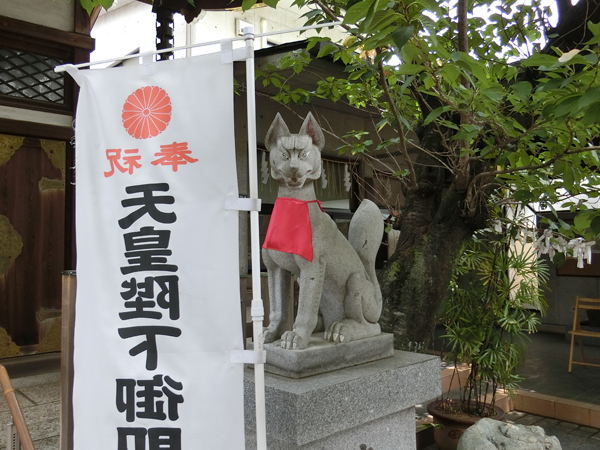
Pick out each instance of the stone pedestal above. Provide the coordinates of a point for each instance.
(372, 404)
(324, 356)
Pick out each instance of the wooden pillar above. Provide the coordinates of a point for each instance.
(165, 33)
(69, 285)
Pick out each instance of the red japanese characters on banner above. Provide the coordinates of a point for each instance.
(174, 155)
(146, 114)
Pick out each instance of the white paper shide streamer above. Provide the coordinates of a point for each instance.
(347, 179)
(264, 168)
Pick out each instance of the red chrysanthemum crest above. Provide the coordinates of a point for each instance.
(147, 112)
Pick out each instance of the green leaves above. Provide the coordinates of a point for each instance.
(522, 89)
(595, 225)
(370, 14)
(523, 120)
(89, 5)
(326, 50)
(355, 143)
(540, 59)
(595, 29)
(409, 69)
(584, 219)
(523, 196)
(435, 114)
(359, 11)
(247, 4)
(471, 66)
(559, 259)
(401, 35)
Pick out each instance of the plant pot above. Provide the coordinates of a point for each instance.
(453, 425)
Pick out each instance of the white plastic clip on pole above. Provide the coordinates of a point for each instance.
(257, 309)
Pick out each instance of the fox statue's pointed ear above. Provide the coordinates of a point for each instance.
(311, 128)
(277, 129)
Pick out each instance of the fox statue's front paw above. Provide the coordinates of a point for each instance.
(291, 340)
(270, 334)
(350, 330)
(336, 332)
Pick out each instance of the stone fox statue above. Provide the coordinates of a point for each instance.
(339, 292)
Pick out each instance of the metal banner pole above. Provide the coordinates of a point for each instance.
(257, 309)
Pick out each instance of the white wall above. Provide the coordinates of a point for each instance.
(126, 27)
(130, 24)
(57, 14)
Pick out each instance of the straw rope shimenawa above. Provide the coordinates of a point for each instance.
(15, 410)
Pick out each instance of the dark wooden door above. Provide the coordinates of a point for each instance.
(32, 203)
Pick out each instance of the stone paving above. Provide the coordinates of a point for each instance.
(570, 435)
(39, 397)
(545, 369)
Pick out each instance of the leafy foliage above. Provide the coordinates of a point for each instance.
(89, 5)
(496, 284)
(507, 115)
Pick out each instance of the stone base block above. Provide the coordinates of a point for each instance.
(371, 404)
(396, 431)
(324, 356)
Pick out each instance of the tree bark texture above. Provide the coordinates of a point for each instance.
(571, 31)
(433, 232)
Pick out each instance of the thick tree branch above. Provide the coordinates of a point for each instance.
(329, 13)
(462, 176)
(572, 31)
(463, 39)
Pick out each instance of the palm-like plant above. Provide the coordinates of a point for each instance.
(494, 303)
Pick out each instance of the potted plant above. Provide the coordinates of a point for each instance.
(493, 303)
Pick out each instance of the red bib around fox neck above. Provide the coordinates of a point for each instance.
(289, 229)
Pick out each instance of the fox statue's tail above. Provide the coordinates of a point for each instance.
(365, 234)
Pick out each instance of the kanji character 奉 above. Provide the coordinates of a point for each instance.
(175, 154)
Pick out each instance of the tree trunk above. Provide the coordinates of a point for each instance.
(433, 232)
(416, 279)
(572, 31)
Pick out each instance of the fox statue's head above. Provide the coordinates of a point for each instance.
(295, 158)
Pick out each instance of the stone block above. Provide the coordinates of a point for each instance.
(325, 356)
(595, 416)
(535, 403)
(395, 431)
(372, 404)
(572, 411)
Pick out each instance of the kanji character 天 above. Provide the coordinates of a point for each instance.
(147, 204)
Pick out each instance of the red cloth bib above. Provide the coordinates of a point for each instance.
(289, 229)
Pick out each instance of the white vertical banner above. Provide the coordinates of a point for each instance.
(158, 309)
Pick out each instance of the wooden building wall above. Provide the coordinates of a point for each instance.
(32, 211)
